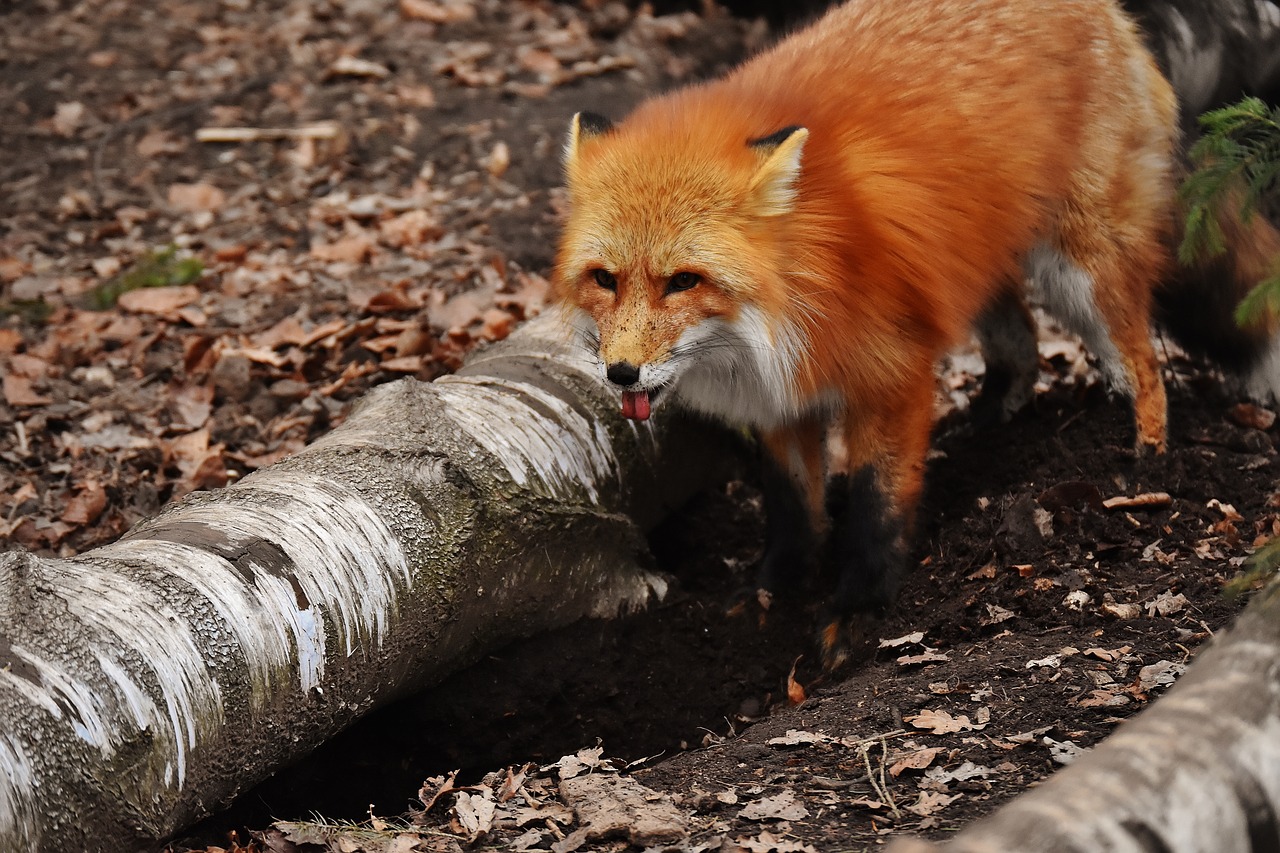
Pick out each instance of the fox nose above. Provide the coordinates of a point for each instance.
(623, 373)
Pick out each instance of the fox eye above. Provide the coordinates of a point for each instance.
(682, 281)
(605, 279)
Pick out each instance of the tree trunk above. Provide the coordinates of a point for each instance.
(145, 683)
(1198, 772)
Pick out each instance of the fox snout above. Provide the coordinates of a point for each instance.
(622, 373)
(636, 405)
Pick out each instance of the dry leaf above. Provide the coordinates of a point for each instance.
(1166, 604)
(796, 737)
(918, 760)
(1159, 674)
(941, 723)
(1119, 610)
(904, 640)
(67, 118)
(782, 806)
(450, 11)
(86, 504)
(354, 66)
(473, 812)
(161, 301)
(927, 656)
(931, 802)
(608, 805)
(352, 250)
(1103, 699)
(18, 391)
(795, 690)
(1107, 654)
(191, 198)
(1252, 416)
(767, 842)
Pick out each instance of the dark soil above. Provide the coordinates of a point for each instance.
(1015, 559)
(695, 693)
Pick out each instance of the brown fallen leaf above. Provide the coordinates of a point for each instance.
(353, 66)
(1252, 416)
(931, 802)
(1107, 654)
(448, 12)
(18, 391)
(193, 198)
(353, 249)
(941, 723)
(767, 842)
(918, 760)
(86, 504)
(783, 806)
(191, 404)
(161, 301)
(1103, 699)
(473, 812)
(795, 690)
(612, 805)
(927, 656)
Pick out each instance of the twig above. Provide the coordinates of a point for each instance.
(319, 130)
(878, 783)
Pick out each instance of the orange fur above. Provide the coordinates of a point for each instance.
(947, 142)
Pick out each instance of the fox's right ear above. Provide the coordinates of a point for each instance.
(583, 127)
(773, 186)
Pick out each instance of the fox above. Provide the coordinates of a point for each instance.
(791, 248)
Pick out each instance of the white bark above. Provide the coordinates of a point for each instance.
(145, 683)
(1197, 772)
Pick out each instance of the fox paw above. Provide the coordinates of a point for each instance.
(750, 599)
(838, 640)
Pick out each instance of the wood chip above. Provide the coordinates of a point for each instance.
(1146, 500)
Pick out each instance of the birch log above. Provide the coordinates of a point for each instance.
(1197, 772)
(145, 683)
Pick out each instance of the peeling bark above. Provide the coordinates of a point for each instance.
(145, 683)
(1197, 772)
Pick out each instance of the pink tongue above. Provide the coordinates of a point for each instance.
(635, 405)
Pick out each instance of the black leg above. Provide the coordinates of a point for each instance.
(789, 536)
(868, 554)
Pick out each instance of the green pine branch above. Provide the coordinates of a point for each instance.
(1238, 153)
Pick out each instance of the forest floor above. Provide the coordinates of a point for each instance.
(181, 304)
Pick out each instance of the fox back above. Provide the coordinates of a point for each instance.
(848, 201)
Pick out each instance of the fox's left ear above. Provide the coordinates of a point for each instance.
(773, 186)
(583, 127)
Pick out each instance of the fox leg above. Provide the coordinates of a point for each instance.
(1100, 285)
(794, 476)
(1006, 332)
(887, 454)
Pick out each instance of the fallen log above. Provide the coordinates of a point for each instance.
(1197, 772)
(145, 683)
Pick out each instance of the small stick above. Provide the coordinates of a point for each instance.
(320, 130)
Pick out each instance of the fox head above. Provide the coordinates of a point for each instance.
(671, 257)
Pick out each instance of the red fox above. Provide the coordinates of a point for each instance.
(798, 243)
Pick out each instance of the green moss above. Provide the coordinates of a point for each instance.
(27, 310)
(160, 268)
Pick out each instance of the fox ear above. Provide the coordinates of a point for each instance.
(582, 127)
(773, 186)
